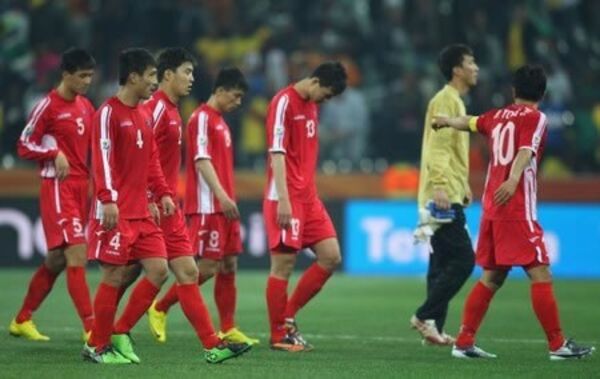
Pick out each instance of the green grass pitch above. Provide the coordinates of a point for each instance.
(359, 326)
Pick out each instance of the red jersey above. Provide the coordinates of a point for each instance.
(208, 138)
(292, 129)
(509, 130)
(167, 133)
(54, 125)
(125, 159)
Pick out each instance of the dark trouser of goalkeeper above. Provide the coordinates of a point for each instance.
(450, 265)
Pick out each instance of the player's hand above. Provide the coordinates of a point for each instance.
(284, 213)
(440, 121)
(468, 197)
(154, 212)
(229, 208)
(110, 215)
(168, 205)
(61, 164)
(440, 198)
(505, 191)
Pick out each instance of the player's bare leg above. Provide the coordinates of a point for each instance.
(476, 306)
(76, 259)
(39, 287)
(546, 309)
(225, 293)
(141, 298)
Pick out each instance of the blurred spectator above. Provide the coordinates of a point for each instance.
(393, 45)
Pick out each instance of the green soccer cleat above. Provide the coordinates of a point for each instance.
(225, 351)
(124, 345)
(108, 355)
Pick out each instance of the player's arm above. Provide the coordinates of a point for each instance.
(277, 120)
(507, 189)
(29, 145)
(464, 123)
(202, 149)
(205, 168)
(284, 206)
(439, 145)
(102, 166)
(157, 183)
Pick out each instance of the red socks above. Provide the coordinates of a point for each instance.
(475, 308)
(40, 285)
(105, 307)
(168, 299)
(196, 312)
(546, 310)
(80, 294)
(140, 300)
(276, 303)
(225, 298)
(308, 286)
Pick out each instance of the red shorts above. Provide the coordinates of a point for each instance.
(506, 243)
(213, 236)
(176, 236)
(64, 211)
(310, 224)
(130, 240)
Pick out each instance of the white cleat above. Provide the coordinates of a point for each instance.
(428, 331)
(471, 352)
(571, 350)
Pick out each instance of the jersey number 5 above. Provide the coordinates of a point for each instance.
(503, 143)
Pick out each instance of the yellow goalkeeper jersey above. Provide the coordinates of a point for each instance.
(445, 152)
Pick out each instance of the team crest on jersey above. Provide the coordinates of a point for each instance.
(148, 123)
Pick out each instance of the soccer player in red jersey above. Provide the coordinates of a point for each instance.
(125, 164)
(175, 73)
(58, 137)
(510, 234)
(294, 215)
(210, 204)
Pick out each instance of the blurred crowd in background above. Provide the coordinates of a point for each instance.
(389, 47)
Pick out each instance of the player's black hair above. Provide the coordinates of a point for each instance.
(230, 78)
(332, 75)
(452, 56)
(529, 82)
(134, 60)
(171, 58)
(74, 59)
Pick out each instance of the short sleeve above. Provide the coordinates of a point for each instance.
(277, 125)
(531, 131)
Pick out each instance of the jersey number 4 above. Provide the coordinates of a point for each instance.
(139, 141)
(503, 143)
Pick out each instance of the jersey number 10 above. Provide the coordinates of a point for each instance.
(503, 135)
